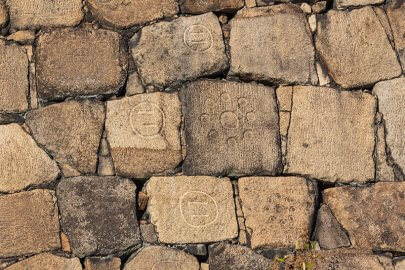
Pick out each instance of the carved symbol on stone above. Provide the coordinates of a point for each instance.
(167, 265)
(147, 119)
(229, 120)
(198, 38)
(198, 208)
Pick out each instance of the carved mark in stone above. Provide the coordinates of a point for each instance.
(167, 265)
(147, 119)
(198, 38)
(198, 208)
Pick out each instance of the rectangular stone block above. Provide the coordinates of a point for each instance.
(203, 6)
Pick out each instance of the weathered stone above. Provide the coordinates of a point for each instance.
(84, 61)
(23, 37)
(70, 131)
(312, 23)
(102, 263)
(64, 241)
(356, 3)
(149, 233)
(134, 85)
(383, 18)
(28, 223)
(7, 118)
(396, 16)
(4, 263)
(328, 232)
(320, 6)
(105, 166)
(203, 6)
(108, 206)
(372, 216)
(183, 49)
(306, 8)
(331, 134)
(278, 210)
(399, 263)
(282, 42)
(323, 76)
(250, 3)
(201, 206)
(128, 13)
(284, 98)
(22, 162)
(205, 266)
(47, 261)
(197, 249)
(3, 14)
(355, 48)
(13, 78)
(384, 171)
(143, 133)
(230, 129)
(44, 13)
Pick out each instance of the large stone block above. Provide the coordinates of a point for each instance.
(331, 134)
(396, 17)
(203, 6)
(47, 261)
(180, 50)
(230, 129)
(192, 209)
(144, 134)
(273, 44)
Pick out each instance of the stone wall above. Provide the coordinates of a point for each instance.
(202, 134)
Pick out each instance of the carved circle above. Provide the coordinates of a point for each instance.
(232, 142)
(147, 119)
(198, 209)
(225, 97)
(229, 120)
(250, 116)
(198, 38)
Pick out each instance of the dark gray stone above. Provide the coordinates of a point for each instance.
(197, 249)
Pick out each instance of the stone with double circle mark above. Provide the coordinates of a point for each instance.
(198, 38)
(147, 119)
(198, 208)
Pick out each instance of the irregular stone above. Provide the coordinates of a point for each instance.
(328, 232)
(4, 263)
(306, 8)
(35, 14)
(149, 234)
(396, 16)
(134, 85)
(250, 3)
(355, 3)
(23, 37)
(204, 6)
(13, 78)
(84, 61)
(278, 210)
(197, 249)
(202, 207)
(283, 45)
(284, 123)
(159, 257)
(108, 206)
(284, 98)
(105, 166)
(319, 7)
(312, 23)
(47, 261)
(384, 172)
(331, 135)
(262, 3)
(399, 263)
(143, 133)
(205, 266)
(230, 129)
(128, 13)
(355, 48)
(372, 216)
(383, 18)
(3, 14)
(102, 263)
(183, 49)
(28, 223)
(322, 75)
(8, 118)
(65, 243)
(70, 140)
(33, 100)
(22, 162)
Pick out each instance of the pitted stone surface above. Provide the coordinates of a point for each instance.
(355, 48)
(77, 62)
(202, 6)
(47, 261)
(230, 129)
(143, 133)
(70, 131)
(180, 50)
(28, 223)
(108, 207)
(158, 257)
(192, 209)
(372, 216)
(331, 134)
(396, 16)
(278, 211)
(22, 162)
(102, 263)
(282, 42)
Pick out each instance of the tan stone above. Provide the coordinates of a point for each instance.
(306, 8)
(84, 61)
(29, 223)
(284, 98)
(384, 171)
(320, 6)
(44, 13)
(102, 263)
(396, 16)
(33, 100)
(323, 76)
(134, 85)
(250, 3)
(382, 16)
(158, 257)
(274, 44)
(205, 266)
(355, 48)
(3, 14)
(128, 13)
(64, 240)
(47, 261)
(372, 216)
(278, 210)
(203, 6)
(312, 23)
(70, 131)
(230, 129)
(22, 162)
(180, 50)
(399, 263)
(284, 123)
(143, 133)
(331, 134)
(192, 209)
(355, 3)
(105, 166)
(13, 78)
(23, 37)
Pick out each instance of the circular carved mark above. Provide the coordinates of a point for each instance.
(212, 134)
(232, 142)
(166, 265)
(198, 208)
(198, 38)
(225, 97)
(250, 116)
(147, 119)
(242, 102)
(229, 120)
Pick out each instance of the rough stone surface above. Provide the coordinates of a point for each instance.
(28, 223)
(372, 216)
(47, 261)
(157, 257)
(203, 6)
(128, 13)
(108, 206)
(23, 37)
(355, 48)
(70, 131)
(134, 85)
(201, 206)
(143, 133)
(396, 16)
(102, 263)
(282, 42)
(356, 3)
(149, 234)
(278, 210)
(183, 49)
(3, 14)
(72, 62)
(44, 13)
(13, 78)
(22, 162)
(384, 171)
(331, 134)
(399, 263)
(230, 129)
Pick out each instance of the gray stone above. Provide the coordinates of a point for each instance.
(197, 249)
(102, 263)
(149, 233)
